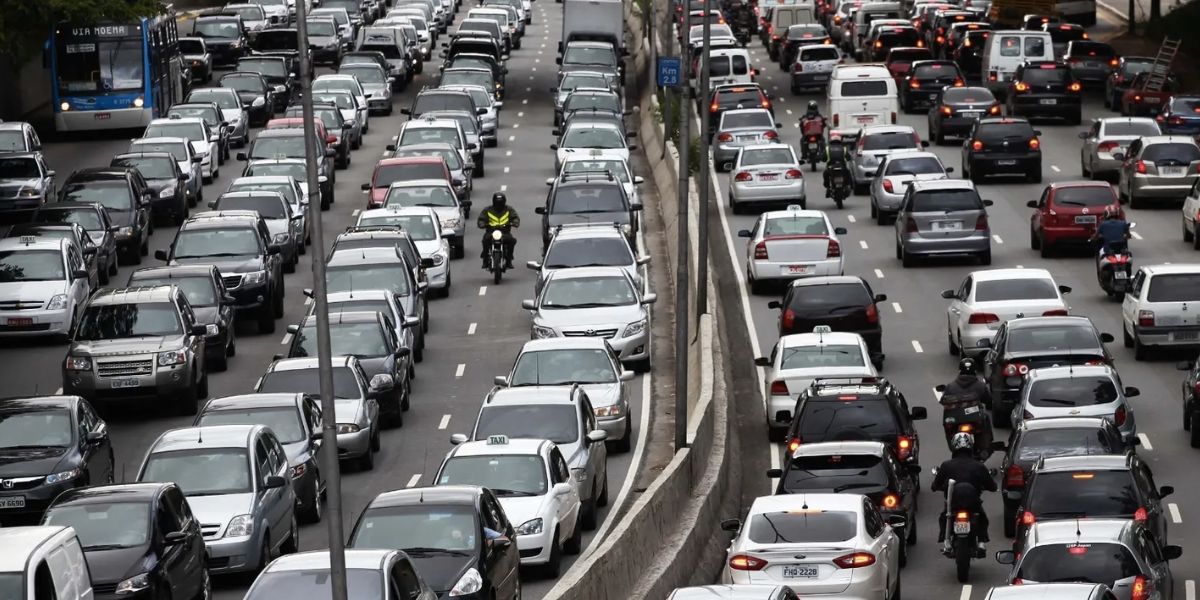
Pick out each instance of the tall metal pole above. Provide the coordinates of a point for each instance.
(329, 454)
(666, 104)
(705, 188)
(682, 315)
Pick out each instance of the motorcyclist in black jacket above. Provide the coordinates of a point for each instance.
(968, 400)
(971, 479)
(741, 17)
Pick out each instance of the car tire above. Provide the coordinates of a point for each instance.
(1035, 176)
(264, 555)
(315, 509)
(1187, 234)
(1034, 242)
(277, 302)
(1010, 520)
(1195, 238)
(1140, 351)
(220, 363)
(587, 513)
(641, 366)
(292, 545)
(266, 320)
(623, 445)
(366, 462)
(757, 288)
(553, 566)
(985, 258)
(1194, 434)
(954, 349)
(187, 402)
(1125, 337)
(574, 544)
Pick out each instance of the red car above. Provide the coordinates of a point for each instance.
(1136, 102)
(1067, 213)
(900, 60)
(407, 168)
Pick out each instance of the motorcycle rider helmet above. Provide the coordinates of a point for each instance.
(812, 106)
(962, 441)
(966, 366)
(499, 200)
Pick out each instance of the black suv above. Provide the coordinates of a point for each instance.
(1045, 89)
(589, 197)
(843, 302)
(271, 144)
(224, 36)
(211, 303)
(430, 100)
(167, 183)
(239, 244)
(856, 410)
(1191, 400)
(127, 197)
(968, 54)
(258, 98)
(279, 73)
(925, 81)
(1002, 146)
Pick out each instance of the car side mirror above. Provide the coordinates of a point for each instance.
(540, 210)
(212, 204)
(745, 233)
(633, 147)
(762, 361)
(775, 473)
(174, 537)
(533, 265)
(1064, 289)
(273, 249)
(633, 134)
(881, 297)
(897, 521)
(274, 481)
(500, 381)
(79, 274)
(596, 436)
(555, 132)
(1132, 392)
(160, 255)
(988, 203)
(638, 180)
(528, 305)
(650, 298)
(983, 344)
(405, 111)
(1032, 204)
(1165, 491)
(1006, 557)
(839, 230)
(95, 437)
(941, 387)
(1037, 132)
(919, 413)
(732, 525)
(774, 304)
(383, 382)
(458, 438)
(241, 156)
(554, 146)
(293, 329)
(1107, 338)
(643, 260)
(562, 489)
(627, 376)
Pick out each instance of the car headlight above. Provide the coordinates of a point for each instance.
(280, 238)
(211, 329)
(279, 89)
(57, 302)
(530, 527)
(634, 328)
(254, 277)
(240, 526)
(627, 229)
(580, 474)
(166, 192)
(259, 101)
(541, 333)
(470, 583)
(347, 428)
(79, 363)
(134, 584)
(63, 476)
(125, 232)
(29, 193)
(451, 223)
(615, 410)
(299, 470)
(438, 259)
(171, 358)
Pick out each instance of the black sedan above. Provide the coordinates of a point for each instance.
(957, 110)
(140, 540)
(257, 97)
(95, 221)
(170, 200)
(48, 444)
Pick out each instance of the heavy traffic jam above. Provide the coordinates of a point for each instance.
(160, 462)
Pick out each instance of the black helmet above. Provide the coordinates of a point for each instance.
(812, 106)
(966, 366)
(499, 200)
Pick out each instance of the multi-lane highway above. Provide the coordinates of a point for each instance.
(474, 334)
(914, 319)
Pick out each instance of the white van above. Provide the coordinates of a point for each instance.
(870, 12)
(45, 561)
(1006, 50)
(729, 65)
(787, 15)
(861, 95)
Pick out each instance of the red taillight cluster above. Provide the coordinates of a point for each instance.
(793, 444)
(982, 318)
(1014, 477)
(888, 187)
(760, 253)
(1021, 86)
(793, 174)
(714, 107)
(890, 501)
(779, 388)
(994, 110)
(789, 316)
(1140, 515)
(904, 447)
(1145, 318)
(959, 82)
(745, 562)
(1015, 369)
(833, 250)
(1035, 144)
(1027, 518)
(855, 560)
(771, 135)
(1058, 312)
(910, 225)
(1075, 87)
(1140, 589)
(1140, 167)
(977, 145)
(743, 176)
(914, 84)
(1108, 146)
(946, 110)
(872, 314)
(1120, 416)
(725, 137)
(981, 223)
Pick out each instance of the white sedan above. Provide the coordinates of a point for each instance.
(790, 244)
(800, 358)
(817, 544)
(986, 299)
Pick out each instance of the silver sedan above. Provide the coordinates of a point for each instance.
(739, 128)
(897, 171)
(1110, 136)
(766, 174)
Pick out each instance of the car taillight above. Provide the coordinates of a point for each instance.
(962, 516)
(1140, 589)
(1113, 63)
(743, 176)
(797, 68)
(1014, 477)
(982, 319)
(833, 250)
(1021, 86)
(855, 560)
(977, 145)
(760, 252)
(1095, 362)
(941, 39)
(1058, 312)
(915, 84)
(1017, 581)
(959, 83)
(793, 444)
(714, 107)
(1119, 416)
(1014, 369)
(789, 317)
(1034, 144)
(793, 174)
(1176, 120)
(893, 117)
(1025, 414)
(1140, 167)
(1075, 87)
(1137, 97)
(1107, 146)
(765, 103)
(1140, 515)
(1145, 318)
(890, 501)
(872, 314)
(910, 225)
(725, 137)
(946, 110)
(779, 388)
(994, 110)
(745, 562)
(887, 186)
(1027, 518)
(771, 135)
(904, 446)
(981, 223)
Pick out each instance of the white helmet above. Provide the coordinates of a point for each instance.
(962, 441)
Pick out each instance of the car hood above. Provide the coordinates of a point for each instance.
(206, 315)
(374, 89)
(118, 564)
(231, 114)
(442, 571)
(347, 411)
(228, 265)
(375, 365)
(428, 248)
(31, 290)
(277, 226)
(219, 509)
(519, 509)
(603, 394)
(121, 218)
(619, 217)
(297, 452)
(199, 147)
(137, 345)
(320, 41)
(159, 185)
(29, 462)
(16, 185)
(613, 316)
(248, 97)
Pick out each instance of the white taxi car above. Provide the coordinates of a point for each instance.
(801, 358)
(535, 488)
(986, 299)
(43, 286)
(425, 229)
(790, 244)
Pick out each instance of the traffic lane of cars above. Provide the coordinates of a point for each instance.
(916, 291)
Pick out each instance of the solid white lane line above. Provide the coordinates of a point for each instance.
(1020, 266)
(851, 218)
(483, 290)
(1189, 587)
(879, 273)
(997, 239)
(462, 368)
(862, 244)
(357, 210)
(471, 328)
(966, 592)
(639, 449)
(445, 422)
(1145, 441)
(896, 307)
(917, 347)
(1175, 517)
(414, 480)
(287, 339)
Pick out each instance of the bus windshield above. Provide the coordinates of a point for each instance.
(98, 59)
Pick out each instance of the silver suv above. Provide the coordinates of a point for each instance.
(237, 481)
(138, 343)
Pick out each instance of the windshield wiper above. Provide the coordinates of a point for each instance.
(217, 254)
(428, 550)
(590, 305)
(850, 486)
(1059, 401)
(507, 492)
(105, 547)
(30, 447)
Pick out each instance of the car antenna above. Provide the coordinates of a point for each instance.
(200, 435)
(804, 500)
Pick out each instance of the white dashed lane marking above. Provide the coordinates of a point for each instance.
(414, 480)
(1055, 169)
(879, 273)
(851, 218)
(1136, 235)
(896, 307)
(966, 593)
(1175, 516)
(1145, 441)
(997, 239)
(287, 339)
(862, 244)
(917, 347)
(462, 368)
(471, 328)
(483, 290)
(445, 422)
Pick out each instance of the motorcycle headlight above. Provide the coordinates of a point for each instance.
(57, 302)
(134, 584)
(530, 527)
(254, 277)
(541, 333)
(79, 363)
(63, 476)
(240, 526)
(166, 192)
(347, 428)
(615, 410)
(280, 238)
(634, 328)
(497, 235)
(471, 582)
(171, 358)
(451, 223)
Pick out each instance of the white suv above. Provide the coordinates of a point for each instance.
(1155, 310)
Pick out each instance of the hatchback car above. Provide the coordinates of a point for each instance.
(95, 222)
(206, 142)
(1067, 214)
(126, 196)
(957, 109)
(285, 226)
(381, 574)
(766, 174)
(1158, 168)
(171, 195)
(812, 66)
(845, 303)
(926, 80)
(941, 218)
(1078, 391)
(986, 299)
(792, 243)
(586, 245)
(1045, 89)
(874, 143)
(1002, 145)
(587, 198)
(258, 98)
(1090, 61)
(1107, 137)
(1180, 115)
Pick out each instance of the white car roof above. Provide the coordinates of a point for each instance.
(31, 242)
(20, 542)
(515, 446)
(565, 343)
(211, 436)
(838, 338)
(419, 183)
(319, 559)
(169, 121)
(882, 129)
(828, 448)
(799, 212)
(1175, 268)
(588, 272)
(789, 502)
(1089, 371)
(392, 211)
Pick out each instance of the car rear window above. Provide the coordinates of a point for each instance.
(908, 56)
(898, 140)
(1015, 289)
(1042, 76)
(823, 53)
(1131, 128)
(389, 174)
(995, 132)
(1063, 442)
(852, 418)
(795, 226)
(747, 119)
(1092, 50)
(1093, 563)
(944, 201)
(934, 71)
(1052, 338)
(1065, 33)
(748, 98)
(827, 356)
(870, 87)
(835, 473)
(967, 96)
(777, 155)
(1171, 154)
(834, 294)
(1072, 391)
(920, 165)
(1085, 196)
(803, 526)
(719, 66)
(1069, 494)
(1181, 287)
(431, 102)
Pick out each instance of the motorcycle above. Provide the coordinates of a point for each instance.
(962, 543)
(839, 187)
(968, 417)
(1114, 270)
(742, 34)
(813, 150)
(496, 254)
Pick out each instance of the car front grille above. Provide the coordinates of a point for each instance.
(604, 333)
(21, 304)
(232, 281)
(125, 368)
(210, 531)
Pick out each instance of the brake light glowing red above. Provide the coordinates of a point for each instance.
(977, 145)
(793, 444)
(1107, 146)
(855, 560)
(1140, 589)
(779, 388)
(962, 516)
(887, 186)
(1021, 86)
(1015, 369)
(1075, 87)
(904, 446)
(1014, 477)
(1058, 312)
(1034, 144)
(1077, 550)
(1140, 167)
(1027, 518)
(982, 319)
(714, 107)
(745, 562)
(914, 84)
(793, 174)
(946, 110)
(890, 501)
(771, 135)
(725, 137)
(789, 316)
(959, 83)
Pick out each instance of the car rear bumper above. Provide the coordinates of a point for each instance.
(777, 270)
(233, 555)
(1059, 235)
(1159, 188)
(914, 243)
(1169, 335)
(1005, 163)
(793, 191)
(814, 79)
(1064, 106)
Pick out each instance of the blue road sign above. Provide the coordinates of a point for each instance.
(669, 68)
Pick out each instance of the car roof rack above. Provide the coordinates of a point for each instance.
(828, 382)
(590, 175)
(375, 229)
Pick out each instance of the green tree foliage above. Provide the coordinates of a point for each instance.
(24, 24)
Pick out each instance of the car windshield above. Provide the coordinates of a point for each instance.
(609, 251)
(1071, 392)
(363, 340)
(419, 227)
(614, 166)
(191, 47)
(200, 291)
(920, 165)
(585, 55)
(1002, 290)
(505, 475)
(113, 195)
(283, 420)
(370, 276)
(216, 96)
(1052, 338)
(122, 321)
(286, 189)
(31, 426)
(473, 78)
(430, 135)
(857, 416)
(280, 146)
(31, 265)
(834, 473)
(447, 153)
(896, 140)
(12, 141)
(996, 132)
(202, 242)
(269, 207)
(571, 81)
(1173, 154)
(418, 528)
(1181, 287)
(822, 53)
(104, 526)
(742, 120)
(944, 201)
(581, 200)
(248, 13)
(224, 29)
(19, 168)
(322, 27)
(386, 175)
(558, 423)
(1066, 33)
(967, 96)
(1035, 77)
(307, 381)
(587, 292)
(1083, 493)
(339, 85)
(361, 584)
(835, 294)
(560, 367)
(739, 97)
(1049, 443)
(273, 68)
(88, 218)
(193, 132)
(149, 167)
(364, 73)
(434, 195)
(295, 170)
(201, 472)
(1104, 563)
(253, 84)
(593, 137)
(822, 357)
(1085, 195)
(783, 226)
(802, 527)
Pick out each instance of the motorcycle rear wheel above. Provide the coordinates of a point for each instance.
(962, 558)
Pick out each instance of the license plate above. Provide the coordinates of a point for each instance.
(771, 177)
(799, 269)
(1120, 275)
(947, 225)
(20, 321)
(12, 501)
(747, 138)
(970, 410)
(102, 116)
(1085, 219)
(1173, 171)
(1048, 101)
(962, 527)
(971, 113)
(796, 572)
(821, 78)
(1006, 163)
(866, 119)
(126, 383)
(1188, 336)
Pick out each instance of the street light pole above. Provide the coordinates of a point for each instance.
(681, 270)
(329, 454)
(705, 188)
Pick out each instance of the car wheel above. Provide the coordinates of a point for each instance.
(1010, 520)
(220, 363)
(292, 545)
(985, 257)
(366, 462)
(102, 276)
(316, 507)
(264, 555)
(1195, 238)
(1194, 436)
(277, 302)
(187, 402)
(266, 320)
(1140, 351)
(553, 566)
(587, 513)
(954, 348)
(112, 265)
(1187, 233)
(1126, 338)
(205, 592)
(623, 445)
(1034, 242)
(574, 544)
(758, 288)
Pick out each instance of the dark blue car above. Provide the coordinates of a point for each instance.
(1180, 116)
